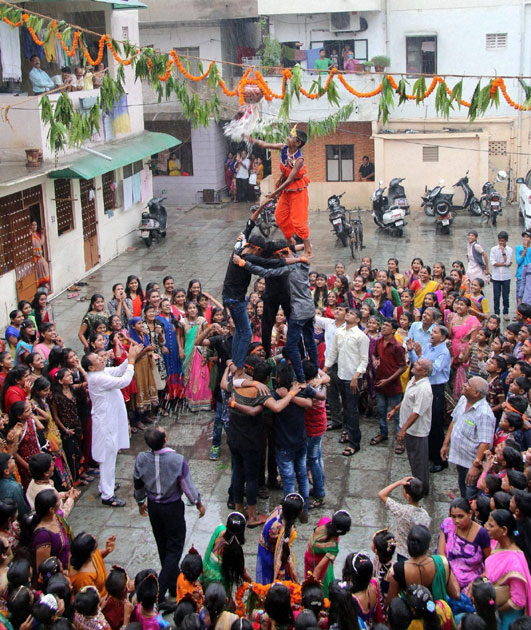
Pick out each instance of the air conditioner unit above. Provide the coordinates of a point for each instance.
(344, 22)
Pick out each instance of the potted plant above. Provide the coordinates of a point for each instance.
(272, 53)
(368, 65)
(380, 62)
(33, 157)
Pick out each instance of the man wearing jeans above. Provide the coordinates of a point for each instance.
(522, 254)
(501, 259)
(301, 321)
(290, 435)
(470, 434)
(390, 364)
(350, 348)
(235, 286)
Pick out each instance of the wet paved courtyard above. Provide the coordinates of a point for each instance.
(197, 246)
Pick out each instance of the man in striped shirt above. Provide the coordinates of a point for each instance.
(161, 476)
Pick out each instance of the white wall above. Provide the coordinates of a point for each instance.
(311, 27)
(461, 46)
(209, 152)
(116, 21)
(272, 7)
(178, 35)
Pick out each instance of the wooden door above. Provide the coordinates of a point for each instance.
(90, 223)
(19, 226)
(17, 251)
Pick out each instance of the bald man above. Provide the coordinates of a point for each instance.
(469, 435)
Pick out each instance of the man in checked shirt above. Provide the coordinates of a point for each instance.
(470, 434)
(161, 476)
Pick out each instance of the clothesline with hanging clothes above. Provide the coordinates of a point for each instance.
(10, 53)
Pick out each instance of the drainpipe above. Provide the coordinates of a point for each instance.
(518, 157)
(387, 41)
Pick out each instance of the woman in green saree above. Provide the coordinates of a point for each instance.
(323, 547)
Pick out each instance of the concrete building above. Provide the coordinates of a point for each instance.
(87, 206)
(225, 31)
(431, 37)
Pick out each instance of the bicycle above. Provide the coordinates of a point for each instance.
(356, 232)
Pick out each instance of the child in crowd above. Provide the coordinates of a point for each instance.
(405, 515)
(188, 584)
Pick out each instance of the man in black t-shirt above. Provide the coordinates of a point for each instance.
(366, 170)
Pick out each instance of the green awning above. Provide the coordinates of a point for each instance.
(125, 4)
(122, 152)
(117, 4)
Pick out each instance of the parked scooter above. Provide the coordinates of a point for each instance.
(153, 222)
(338, 219)
(491, 200)
(389, 211)
(469, 200)
(436, 202)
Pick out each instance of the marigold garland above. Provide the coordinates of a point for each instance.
(259, 81)
(261, 590)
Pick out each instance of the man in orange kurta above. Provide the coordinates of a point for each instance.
(292, 188)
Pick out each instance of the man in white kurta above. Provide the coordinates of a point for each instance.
(110, 431)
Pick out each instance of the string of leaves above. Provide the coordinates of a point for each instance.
(68, 127)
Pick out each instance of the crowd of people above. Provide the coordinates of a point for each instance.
(302, 353)
(243, 174)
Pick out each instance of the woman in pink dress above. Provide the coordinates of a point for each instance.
(463, 328)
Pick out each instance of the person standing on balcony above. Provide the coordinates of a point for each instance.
(292, 188)
(323, 64)
(40, 81)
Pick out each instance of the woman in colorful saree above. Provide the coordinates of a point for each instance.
(507, 569)
(323, 547)
(275, 559)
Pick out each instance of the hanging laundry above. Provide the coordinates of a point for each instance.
(10, 51)
(49, 48)
(137, 186)
(29, 47)
(121, 118)
(59, 54)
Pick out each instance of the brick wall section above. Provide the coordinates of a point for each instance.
(356, 133)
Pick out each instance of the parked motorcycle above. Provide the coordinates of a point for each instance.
(469, 200)
(389, 211)
(436, 202)
(491, 200)
(338, 219)
(266, 221)
(153, 222)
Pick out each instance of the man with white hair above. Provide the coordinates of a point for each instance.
(470, 434)
(415, 420)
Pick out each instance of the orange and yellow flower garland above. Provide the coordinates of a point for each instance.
(261, 590)
(258, 80)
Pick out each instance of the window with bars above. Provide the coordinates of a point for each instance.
(496, 40)
(430, 154)
(339, 162)
(109, 186)
(421, 55)
(64, 207)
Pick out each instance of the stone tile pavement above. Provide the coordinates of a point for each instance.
(197, 246)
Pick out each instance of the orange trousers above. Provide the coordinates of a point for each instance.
(292, 214)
